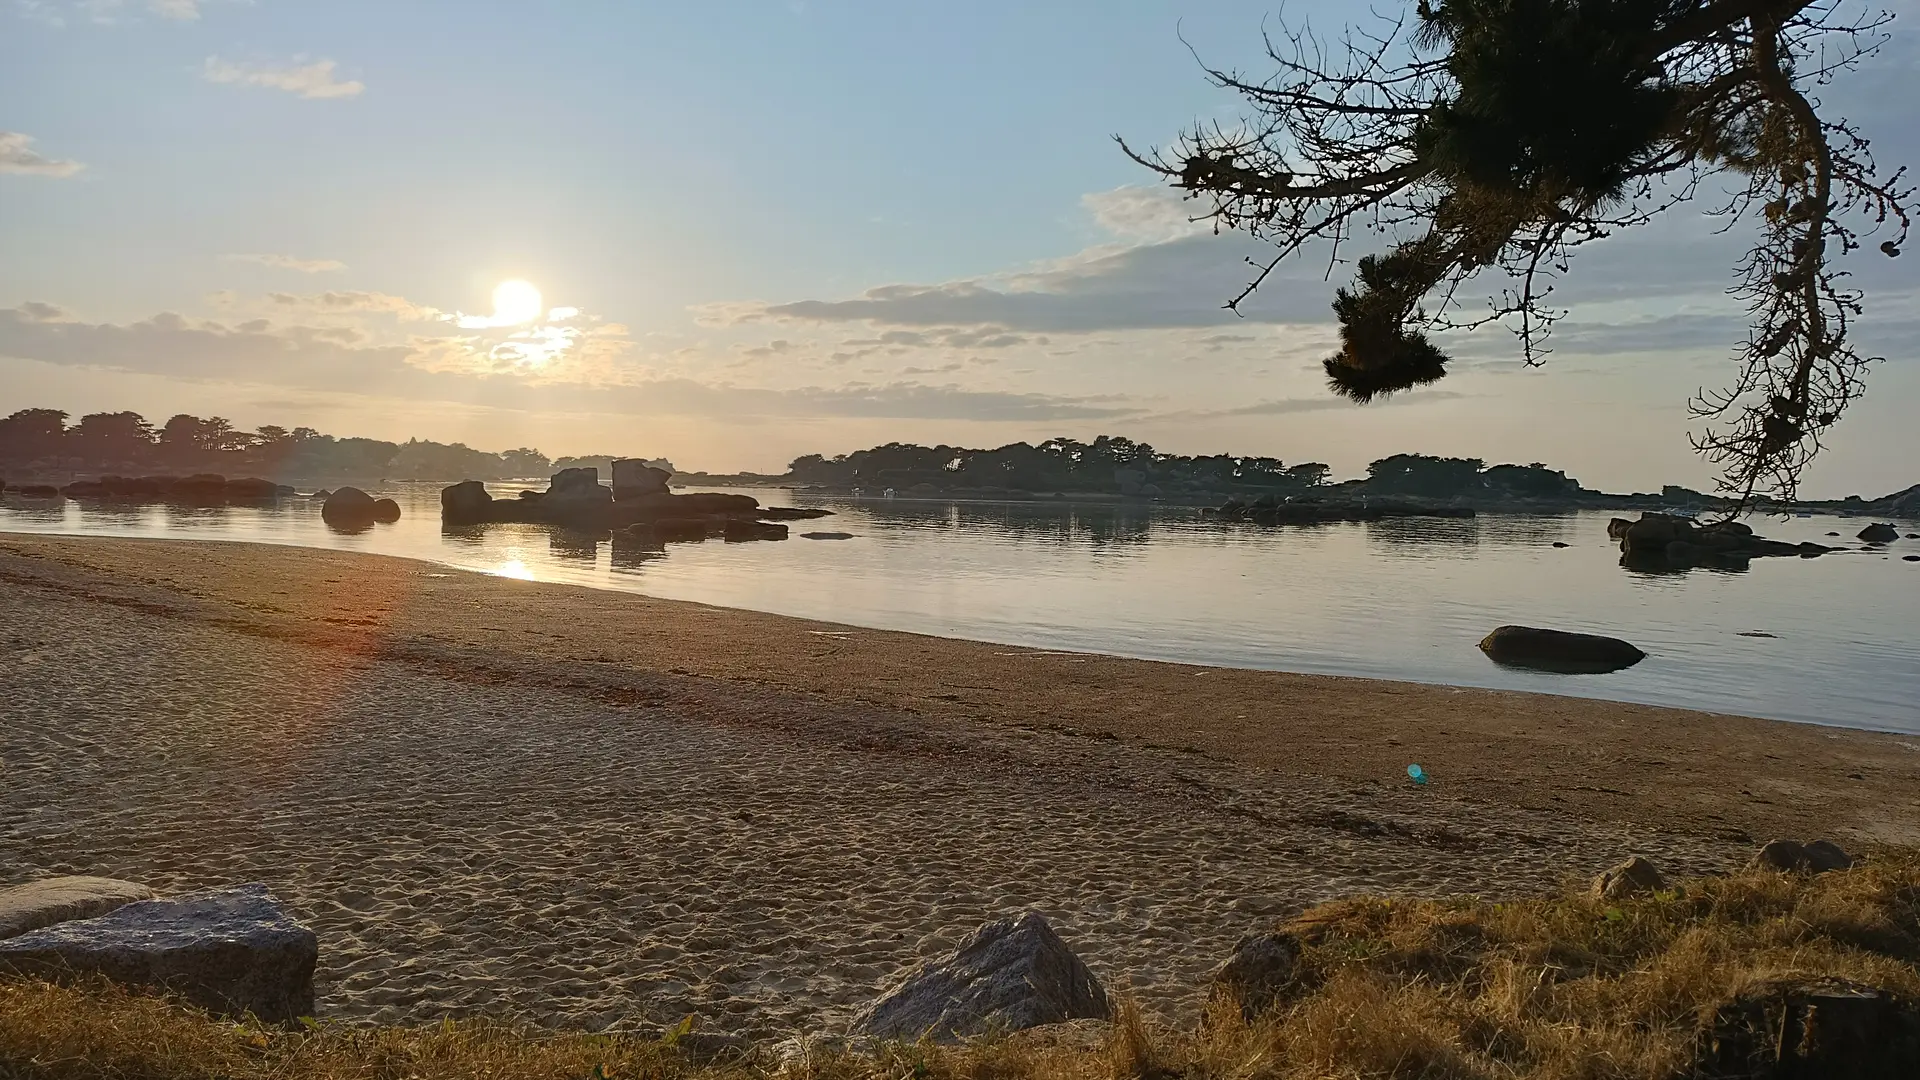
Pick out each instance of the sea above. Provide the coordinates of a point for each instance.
(1833, 640)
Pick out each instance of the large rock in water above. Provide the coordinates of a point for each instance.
(1559, 650)
(38, 904)
(1009, 975)
(348, 506)
(1879, 533)
(232, 952)
(465, 503)
(574, 497)
(633, 479)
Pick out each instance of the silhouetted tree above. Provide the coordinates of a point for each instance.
(117, 436)
(32, 433)
(1504, 134)
(1424, 474)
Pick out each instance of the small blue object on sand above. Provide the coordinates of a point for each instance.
(1417, 774)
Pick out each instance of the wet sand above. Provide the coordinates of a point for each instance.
(588, 808)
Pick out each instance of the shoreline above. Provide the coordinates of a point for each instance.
(1522, 747)
(587, 809)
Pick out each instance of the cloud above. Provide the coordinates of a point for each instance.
(422, 370)
(341, 302)
(18, 156)
(292, 262)
(312, 81)
(1153, 214)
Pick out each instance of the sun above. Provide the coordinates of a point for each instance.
(515, 302)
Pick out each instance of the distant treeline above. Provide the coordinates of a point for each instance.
(40, 441)
(1115, 463)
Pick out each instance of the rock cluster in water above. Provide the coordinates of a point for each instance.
(200, 488)
(638, 504)
(1667, 540)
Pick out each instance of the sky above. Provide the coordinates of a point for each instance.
(764, 229)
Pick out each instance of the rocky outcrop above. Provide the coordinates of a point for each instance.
(676, 530)
(792, 513)
(348, 508)
(466, 503)
(1263, 970)
(201, 489)
(38, 904)
(1634, 877)
(386, 511)
(1879, 533)
(233, 952)
(826, 536)
(1659, 541)
(1008, 976)
(738, 531)
(634, 479)
(1559, 650)
(575, 499)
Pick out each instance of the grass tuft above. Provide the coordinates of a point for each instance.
(1564, 988)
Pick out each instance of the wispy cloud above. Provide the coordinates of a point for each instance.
(18, 156)
(107, 12)
(292, 262)
(314, 81)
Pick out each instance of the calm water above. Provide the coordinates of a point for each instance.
(1401, 599)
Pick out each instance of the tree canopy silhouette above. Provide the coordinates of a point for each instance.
(1502, 135)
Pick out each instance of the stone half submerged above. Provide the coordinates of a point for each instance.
(234, 952)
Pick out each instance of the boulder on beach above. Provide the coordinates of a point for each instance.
(1007, 976)
(38, 904)
(1813, 857)
(1631, 878)
(1263, 970)
(633, 479)
(386, 511)
(1559, 650)
(348, 507)
(233, 952)
(575, 498)
(465, 503)
(1879, 533)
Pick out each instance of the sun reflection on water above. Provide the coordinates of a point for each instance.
(513, 568)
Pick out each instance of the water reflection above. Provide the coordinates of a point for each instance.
(573, 544)
(1399, 598)
(631, 552)
(1457, 532)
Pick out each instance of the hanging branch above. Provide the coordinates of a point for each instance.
(1504, 135)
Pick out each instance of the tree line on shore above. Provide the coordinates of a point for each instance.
(41, 441)
(1113, 463)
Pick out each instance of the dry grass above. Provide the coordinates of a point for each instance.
(1571, 987)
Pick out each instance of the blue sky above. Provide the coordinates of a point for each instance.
(777, 227)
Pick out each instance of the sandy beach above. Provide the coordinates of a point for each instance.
(591, 809)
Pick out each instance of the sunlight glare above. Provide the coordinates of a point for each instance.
(514, 568)
(516, 302)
